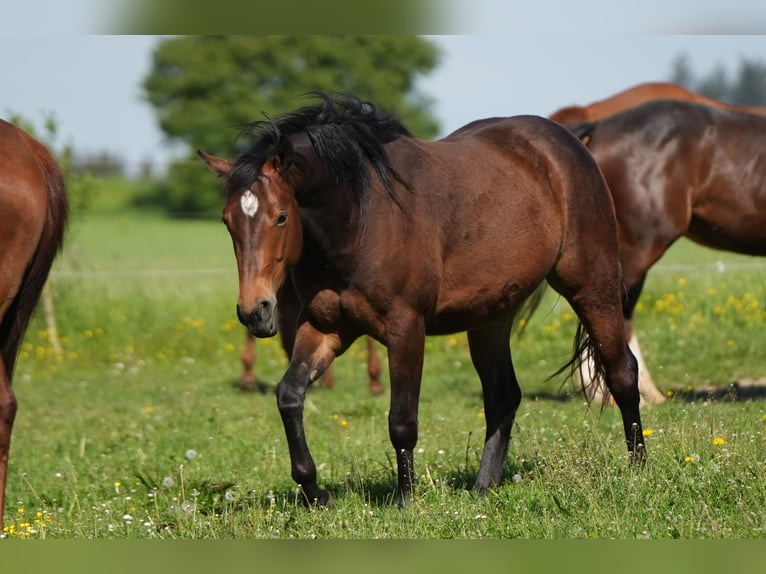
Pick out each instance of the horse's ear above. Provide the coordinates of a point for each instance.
(282, 158)
(217, 165)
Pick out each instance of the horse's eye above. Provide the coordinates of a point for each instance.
(281, 219)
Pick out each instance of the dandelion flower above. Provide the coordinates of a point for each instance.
(718, 441)
(344, 423)
(647, 432)
(692, 458)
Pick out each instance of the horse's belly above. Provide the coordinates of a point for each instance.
(741, 233)
(473, 305)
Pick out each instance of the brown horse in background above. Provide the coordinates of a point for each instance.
(681, 169)
(33, 212)
(398, 238)
(638, 95)
(289, 309)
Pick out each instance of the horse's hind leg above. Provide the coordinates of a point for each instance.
(491, 356)
(7, 416)
(595, 297)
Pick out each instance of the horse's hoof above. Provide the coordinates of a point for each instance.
(322, 499)
(376, 388)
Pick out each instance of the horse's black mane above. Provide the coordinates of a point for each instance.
(346, 133)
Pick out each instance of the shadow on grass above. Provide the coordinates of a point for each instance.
(743, 390)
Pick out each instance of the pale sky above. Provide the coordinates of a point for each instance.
(517, 59)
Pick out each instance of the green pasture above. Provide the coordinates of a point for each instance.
(137, 429)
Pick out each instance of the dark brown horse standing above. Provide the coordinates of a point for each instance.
(33, 212)
(681, 169)
(397, 238)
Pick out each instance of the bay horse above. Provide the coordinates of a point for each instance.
(638, 95)
(33, 211)
(680, 169)
(289, 308)
(387, 235)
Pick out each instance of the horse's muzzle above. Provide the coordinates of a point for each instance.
(261, 321)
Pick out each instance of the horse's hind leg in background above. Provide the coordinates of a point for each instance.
(491, 356)
(247, 380)
(373, 368)
(646, 386)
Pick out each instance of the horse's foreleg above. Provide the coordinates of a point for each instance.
(7, 416)
(406, 346)
(491, 357)
(312, 355)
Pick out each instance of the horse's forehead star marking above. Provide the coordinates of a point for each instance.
(249, 203)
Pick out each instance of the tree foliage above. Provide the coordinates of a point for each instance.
(745, 87)
(203, 88)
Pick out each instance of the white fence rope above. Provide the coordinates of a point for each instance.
(719, 266)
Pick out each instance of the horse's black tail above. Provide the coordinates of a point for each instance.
(583, 131)
(529, 307)
(585, 363)
(16, 319)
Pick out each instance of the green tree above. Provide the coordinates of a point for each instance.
(203, 88)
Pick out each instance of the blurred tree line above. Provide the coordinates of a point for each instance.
(203, 88)
(746, 86)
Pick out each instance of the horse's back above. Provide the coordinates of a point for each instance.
(524, 139)
(626, 99)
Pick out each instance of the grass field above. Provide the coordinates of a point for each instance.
(138, 429)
